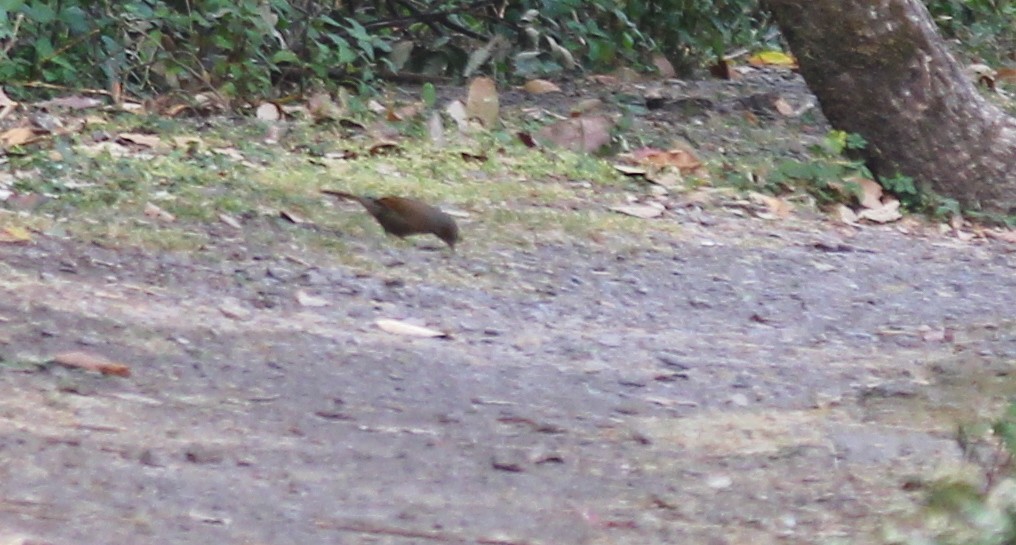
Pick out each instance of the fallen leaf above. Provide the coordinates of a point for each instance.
(869, 192)
(541, 86)
(772, 58)
(291, 217)
(630, 171)
(457, 111)
(15, 235)
(143, 140)
(6, 100)
(73, 102)
(1005, 236)
(644, 211)
(663, 66)
(269, 111)
(586, 106)
(846, 215)
(232, 308)
(384, 147)
(605, 80)
(91, 362)
(189, 143)
(308, 300)
(586, 134)
(527, 139)
(321, 107)
(784, 108)
(887, 213)
(155, 212)
(667, 178)
(778, 208)
(230, 221)
(682, 159)
(435, 129)
(403, 113)
(482, 101)
(560, 54)
(16, 137)
(398, 327)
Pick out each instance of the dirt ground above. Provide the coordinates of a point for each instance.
(727, 380)
(738, 383)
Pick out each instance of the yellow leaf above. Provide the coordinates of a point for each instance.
(15, 235)
(772, 58)
(16, 136)
(541, 86)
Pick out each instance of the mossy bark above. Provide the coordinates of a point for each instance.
(880, 69)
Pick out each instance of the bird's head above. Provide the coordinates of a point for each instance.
(449, 233)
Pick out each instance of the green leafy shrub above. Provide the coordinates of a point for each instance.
(234, 49)
(606, 32)
(986, 28)
(824, 173)
(689, 31)
(979, 509)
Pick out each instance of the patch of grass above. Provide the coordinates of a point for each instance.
(101, 194)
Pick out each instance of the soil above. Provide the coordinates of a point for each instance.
(736, 380)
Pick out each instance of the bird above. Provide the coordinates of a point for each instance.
(402, 216)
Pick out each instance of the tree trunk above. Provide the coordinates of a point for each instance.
(880, 69)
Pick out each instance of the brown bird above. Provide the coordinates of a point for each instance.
(403, 217)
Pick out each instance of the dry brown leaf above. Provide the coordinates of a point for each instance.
(684, 160)
(1005, 236)
(91, 362)
(230, 221)
(777, 207)
(586, 134)
(17, 136)
(384, 147)
(408, 111)
(846, 215)
(644, 211)
(269, 111)
(155, 212)
(435, 129)
(541, 86)
(6, 100)
(663, 66)
(307, 300)
(887, 213)
(870, 195)
(321, 107)
(73, 102)
(784, 108)
(143, 140)
(605, 80)
(189, 143)
(291, 217)
(668, 178)
(482, 101)
(233, 309)
(626, 74)
(398, 327)
(15, 235)
(457, 111)
(586, 106)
